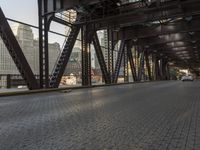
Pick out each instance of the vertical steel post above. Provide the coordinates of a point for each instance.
(161, 69)
(148, 65)
(44, 24)
(109, 51)
(40, 21)
(86, 60)
(126, 77)
(154, 66)
(131, 61)
(141, 67)
(8, 81)
(119, 60)
(157, 68)
(164, 69)
(168, 71)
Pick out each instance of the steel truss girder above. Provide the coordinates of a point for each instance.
(148, 65)
(168, 39)
(152, 14)
(163, 68)
(156, 68)
(64, 57)
(110, 51)
(167, 72)
(126, 74)
(87, 33)
(105, 73)
(16, 53)
(182, 26)
(174, 45)
(130, 58)
(44, 21)
(61, 21)
(118, 63)
(141, 67)
(168, 50)
(60, 5)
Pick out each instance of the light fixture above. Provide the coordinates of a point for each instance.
(118, 4)
(188, 18)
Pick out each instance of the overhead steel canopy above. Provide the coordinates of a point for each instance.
(148, 22)
(168, 29)
(165, 31)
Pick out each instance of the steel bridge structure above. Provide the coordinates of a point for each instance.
(168, 31)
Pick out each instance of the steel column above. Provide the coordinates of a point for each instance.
(109, 51)
(163, 67)
(141, 67)
(148, 65)
(44, 24)
(86, 54)
(157, 69)
(168, 72)
(8, 81)
(130, 58)
(126, 75)
(111, 46)
(100, 57)
(119, 60)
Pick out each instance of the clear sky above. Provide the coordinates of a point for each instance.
(26, 11)
(22, 10)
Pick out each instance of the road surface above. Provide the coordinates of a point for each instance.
(147, 116)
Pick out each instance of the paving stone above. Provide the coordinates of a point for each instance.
(149, 116)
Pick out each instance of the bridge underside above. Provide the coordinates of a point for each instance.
(165, 31)
(148, 116)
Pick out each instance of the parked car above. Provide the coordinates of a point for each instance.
(187, 78)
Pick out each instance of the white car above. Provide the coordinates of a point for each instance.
(21, 86)
(187, 78)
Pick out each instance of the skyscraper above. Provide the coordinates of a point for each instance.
(30, 48)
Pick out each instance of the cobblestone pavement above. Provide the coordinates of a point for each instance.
(148, 116)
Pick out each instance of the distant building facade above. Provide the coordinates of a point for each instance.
(30, 48)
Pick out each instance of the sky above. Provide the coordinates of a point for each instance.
(22, 10)
(26, 11)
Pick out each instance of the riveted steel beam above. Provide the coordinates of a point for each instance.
(130, 58)
(101, 60)
(16, 53)
(119, 61)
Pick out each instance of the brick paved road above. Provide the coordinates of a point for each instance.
(149, 116)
